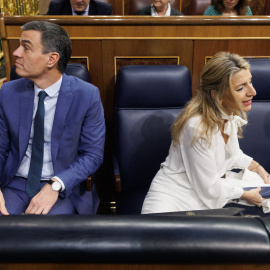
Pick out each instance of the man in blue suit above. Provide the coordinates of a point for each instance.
(74, 129)
(79, 7)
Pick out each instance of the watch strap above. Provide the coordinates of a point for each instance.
(50, 181)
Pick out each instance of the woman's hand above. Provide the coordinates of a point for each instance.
(253, 196)
(3, 209)
(256, 167)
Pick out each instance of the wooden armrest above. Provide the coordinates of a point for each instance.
(117, 182)
(89, 183)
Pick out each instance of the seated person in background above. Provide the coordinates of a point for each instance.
(52, 129)
(205, 144)
(79, 7)
(228, 8)
(159, 8)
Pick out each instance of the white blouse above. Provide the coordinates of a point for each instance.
(191, 176)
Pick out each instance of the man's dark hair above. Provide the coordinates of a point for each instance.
(54, 39)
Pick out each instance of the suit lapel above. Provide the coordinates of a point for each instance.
(62, 107)
(148, 10)
(67, 10)
(92, 8)
(26, 115)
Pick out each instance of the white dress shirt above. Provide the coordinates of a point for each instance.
(50, 106)
(191, 176)
(154, 12)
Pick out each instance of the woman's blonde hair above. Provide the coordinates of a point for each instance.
(214, 83)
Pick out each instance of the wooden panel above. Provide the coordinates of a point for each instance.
(191, 27)
(111, 48)
(13, 45)
(121, 61)
(80, 60)
(257, 7)
(118, 7)
(185, 7)
(116, 4)
(204, 48)
(92, 50)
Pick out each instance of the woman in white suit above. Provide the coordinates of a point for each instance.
(205, 145)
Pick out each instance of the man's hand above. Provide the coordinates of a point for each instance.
(3, 208)
(43, 201)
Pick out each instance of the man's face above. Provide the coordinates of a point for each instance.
(30, 62)
(160, 4)
(79, 5)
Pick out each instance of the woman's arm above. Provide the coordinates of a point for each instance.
(256, 167)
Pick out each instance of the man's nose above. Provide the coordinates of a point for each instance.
(17, 52)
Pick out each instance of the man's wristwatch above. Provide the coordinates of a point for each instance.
(56, 186)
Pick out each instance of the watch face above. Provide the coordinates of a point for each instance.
(56, 186)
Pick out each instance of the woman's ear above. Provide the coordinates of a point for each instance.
(213, 94)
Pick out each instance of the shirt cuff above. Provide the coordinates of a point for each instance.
(237, 193)
(61, 182)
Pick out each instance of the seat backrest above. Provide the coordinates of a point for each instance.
(256, 141)
(197, 7)
(135, 5)
(147, 101)
(77, 70)
(111, 2)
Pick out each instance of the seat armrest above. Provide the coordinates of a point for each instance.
(89, 183)
(117, 182)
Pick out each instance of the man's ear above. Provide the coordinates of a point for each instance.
(53, 59)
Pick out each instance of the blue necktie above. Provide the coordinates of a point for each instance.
(35, 170)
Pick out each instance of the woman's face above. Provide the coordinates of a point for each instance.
(244, 90)
(230, 4)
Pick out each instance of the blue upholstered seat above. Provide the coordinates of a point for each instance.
(147, 101)
(256, 141)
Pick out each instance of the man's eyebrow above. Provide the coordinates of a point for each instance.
(26, 41)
